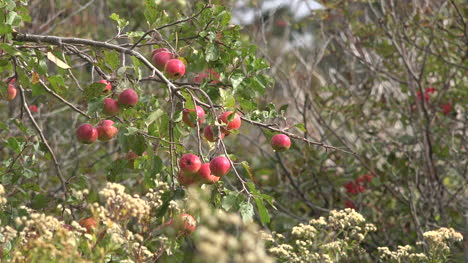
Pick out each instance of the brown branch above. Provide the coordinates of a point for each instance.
(44, 140)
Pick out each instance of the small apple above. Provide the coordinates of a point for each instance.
(160, 57)
(446, 108)
(86, 133)
(158, 50)
(106, 130)
(210, 135)
(128, 98)
(230, 125)
(33, 108)
(88, 223)
(11, 92)
(280, 142)
(175, 68)
(220, 166)
(106, 88)
(189, 163)
(186, 116)
(205, 174)
(111, 107)
(184, 224)
(185, 179)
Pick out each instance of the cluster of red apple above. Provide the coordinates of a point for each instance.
(11, 90)
(163, 59)
(87, 133)
(358, 185)
(128, 98)
(192, 170)
(105, 131)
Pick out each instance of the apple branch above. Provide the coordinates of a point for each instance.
(44, 140)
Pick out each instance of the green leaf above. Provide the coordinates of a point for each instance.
(154, 116)
(5, 29)
(245, 164)
(236, 80)
(40, 201)
(112, 58)
(211, 53)
(229, 202)
(151, 11)
(57, 83)
(94, 90)
(247, 211)
(120, 21)
(227, 99)
(262, 211)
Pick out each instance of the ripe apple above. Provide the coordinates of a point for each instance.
(106, 130)
(128, 98)
(158, 50)
(185, 179)
(186, 116)
(220, 166)
(446, 108)
(106, 88)
(175, 68)
(184, 224)
(86, 133)
(189, 164)
(33, 108)
(88, 223)
(160, 57)
(205, 174)
(11, 92)
(280, 142)
(210, 134)
(230, 125)
(111, 107)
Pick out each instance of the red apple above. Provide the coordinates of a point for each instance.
(184, 224)
(11, 92)
(33, 108)
(189, 163)
(86, 133)
(186, 116)
(185, 179)
(210, 134)
(280, 142)
(128, 98)
(108, 86)
(230, 125)
(156, 51)
(88, 223)
(175, 68)
(106, 130)
(220, 166)
(111, 107)
(161, 57)
(205, 174)
(446, 108)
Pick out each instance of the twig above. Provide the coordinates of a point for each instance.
(44, 140)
